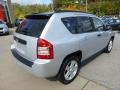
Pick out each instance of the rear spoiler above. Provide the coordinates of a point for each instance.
(38, 16)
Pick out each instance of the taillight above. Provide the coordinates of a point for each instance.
(44, 49)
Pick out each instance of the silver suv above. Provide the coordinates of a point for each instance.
(56, 44)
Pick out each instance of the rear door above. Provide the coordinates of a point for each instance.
(102, 35)
(27, 34)
(90, 37)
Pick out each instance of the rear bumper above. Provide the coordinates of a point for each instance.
(21, 59)
(39, 68)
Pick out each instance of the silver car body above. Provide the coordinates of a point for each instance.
(64, 44)
(3, 27)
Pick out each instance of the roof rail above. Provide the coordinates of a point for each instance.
(60, 11)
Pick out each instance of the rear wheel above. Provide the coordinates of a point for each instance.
(109, 46)
(70, 69)
(7, 33)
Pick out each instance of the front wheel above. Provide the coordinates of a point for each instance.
(70, 69)
(109, 46)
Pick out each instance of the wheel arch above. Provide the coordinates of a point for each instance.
(113, 37)
(77, 53)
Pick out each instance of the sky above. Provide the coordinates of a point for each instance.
(24, 2)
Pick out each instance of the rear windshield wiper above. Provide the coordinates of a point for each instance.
(25, 31)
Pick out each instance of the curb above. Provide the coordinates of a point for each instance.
(91, 85)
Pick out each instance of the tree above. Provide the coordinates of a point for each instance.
(20, 11)
(105, 7)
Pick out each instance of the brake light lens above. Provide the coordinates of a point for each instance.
(44, 49)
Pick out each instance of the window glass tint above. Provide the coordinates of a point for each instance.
(71, 24)
(111, 21)
(86, 23)
(77, 25)
(98, 24)
(32, 27)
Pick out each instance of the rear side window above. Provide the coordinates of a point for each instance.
(87, 25)
(78, 25)
(32, 26)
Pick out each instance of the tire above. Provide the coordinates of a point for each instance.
(7, 33)
(109, 46)
(70, 69)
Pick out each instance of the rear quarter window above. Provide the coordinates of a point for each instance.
(70, 23)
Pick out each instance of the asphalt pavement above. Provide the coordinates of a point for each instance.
(105, 69)
(103, 73)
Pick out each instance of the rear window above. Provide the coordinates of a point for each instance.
(32, 26)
